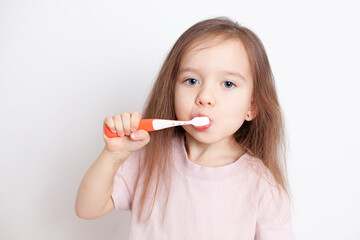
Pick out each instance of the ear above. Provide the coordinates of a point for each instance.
(251, 113)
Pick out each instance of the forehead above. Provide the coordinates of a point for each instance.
(217, 54)
(206, 42)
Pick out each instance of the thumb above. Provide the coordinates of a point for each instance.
(140, 136)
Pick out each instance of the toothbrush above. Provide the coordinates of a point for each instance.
(158, 124)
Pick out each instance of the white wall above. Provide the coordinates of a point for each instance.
(66, 65)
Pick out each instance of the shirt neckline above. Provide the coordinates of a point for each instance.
(203, 172)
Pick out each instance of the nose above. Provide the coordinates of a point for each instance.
(205, 98)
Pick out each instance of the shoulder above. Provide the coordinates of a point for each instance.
(132, 163)
(269, 193)
(262, 176)
(137, 159)
(257, 167)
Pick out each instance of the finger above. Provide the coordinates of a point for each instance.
(108, 121)
(140, 135)
(125, 117)
(105, 137)
(118, 125)
(134, 122)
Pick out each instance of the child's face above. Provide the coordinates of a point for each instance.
(204, 85)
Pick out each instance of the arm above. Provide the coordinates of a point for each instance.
(94, 194)
(274, 214)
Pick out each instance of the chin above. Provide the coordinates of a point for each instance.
(208, 137)
(202, 138)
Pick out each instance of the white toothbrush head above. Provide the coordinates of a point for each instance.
(200, 121)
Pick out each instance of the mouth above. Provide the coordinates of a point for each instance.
(202, 128)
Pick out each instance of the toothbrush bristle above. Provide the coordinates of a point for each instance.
(200, 121)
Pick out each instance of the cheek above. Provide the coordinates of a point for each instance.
(233, 118)
(178, 111)
(233, 106)
(233, 114)
(181, 104)
(238, 104)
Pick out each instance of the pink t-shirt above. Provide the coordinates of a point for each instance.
(227, 202)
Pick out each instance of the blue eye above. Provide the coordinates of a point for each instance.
(191, 81)
(229, 84)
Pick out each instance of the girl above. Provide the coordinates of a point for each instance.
(226, 180)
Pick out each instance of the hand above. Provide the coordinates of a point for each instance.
(126, 126)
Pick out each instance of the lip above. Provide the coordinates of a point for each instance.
(202, 128)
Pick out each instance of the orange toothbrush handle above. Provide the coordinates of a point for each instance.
(109, 133)
(145, 124)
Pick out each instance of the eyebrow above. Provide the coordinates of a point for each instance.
(189, 69)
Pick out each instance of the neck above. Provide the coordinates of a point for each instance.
(215, 154)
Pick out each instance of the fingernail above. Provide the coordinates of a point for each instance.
(114, 131)
(133, 130)
(121, 134)
(134, 135)
(128, 133)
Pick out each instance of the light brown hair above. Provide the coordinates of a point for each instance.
(263, 137)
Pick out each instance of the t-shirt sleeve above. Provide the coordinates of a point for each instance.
(125, 182)
(274, 213)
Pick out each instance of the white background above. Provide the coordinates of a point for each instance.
(66, 65)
